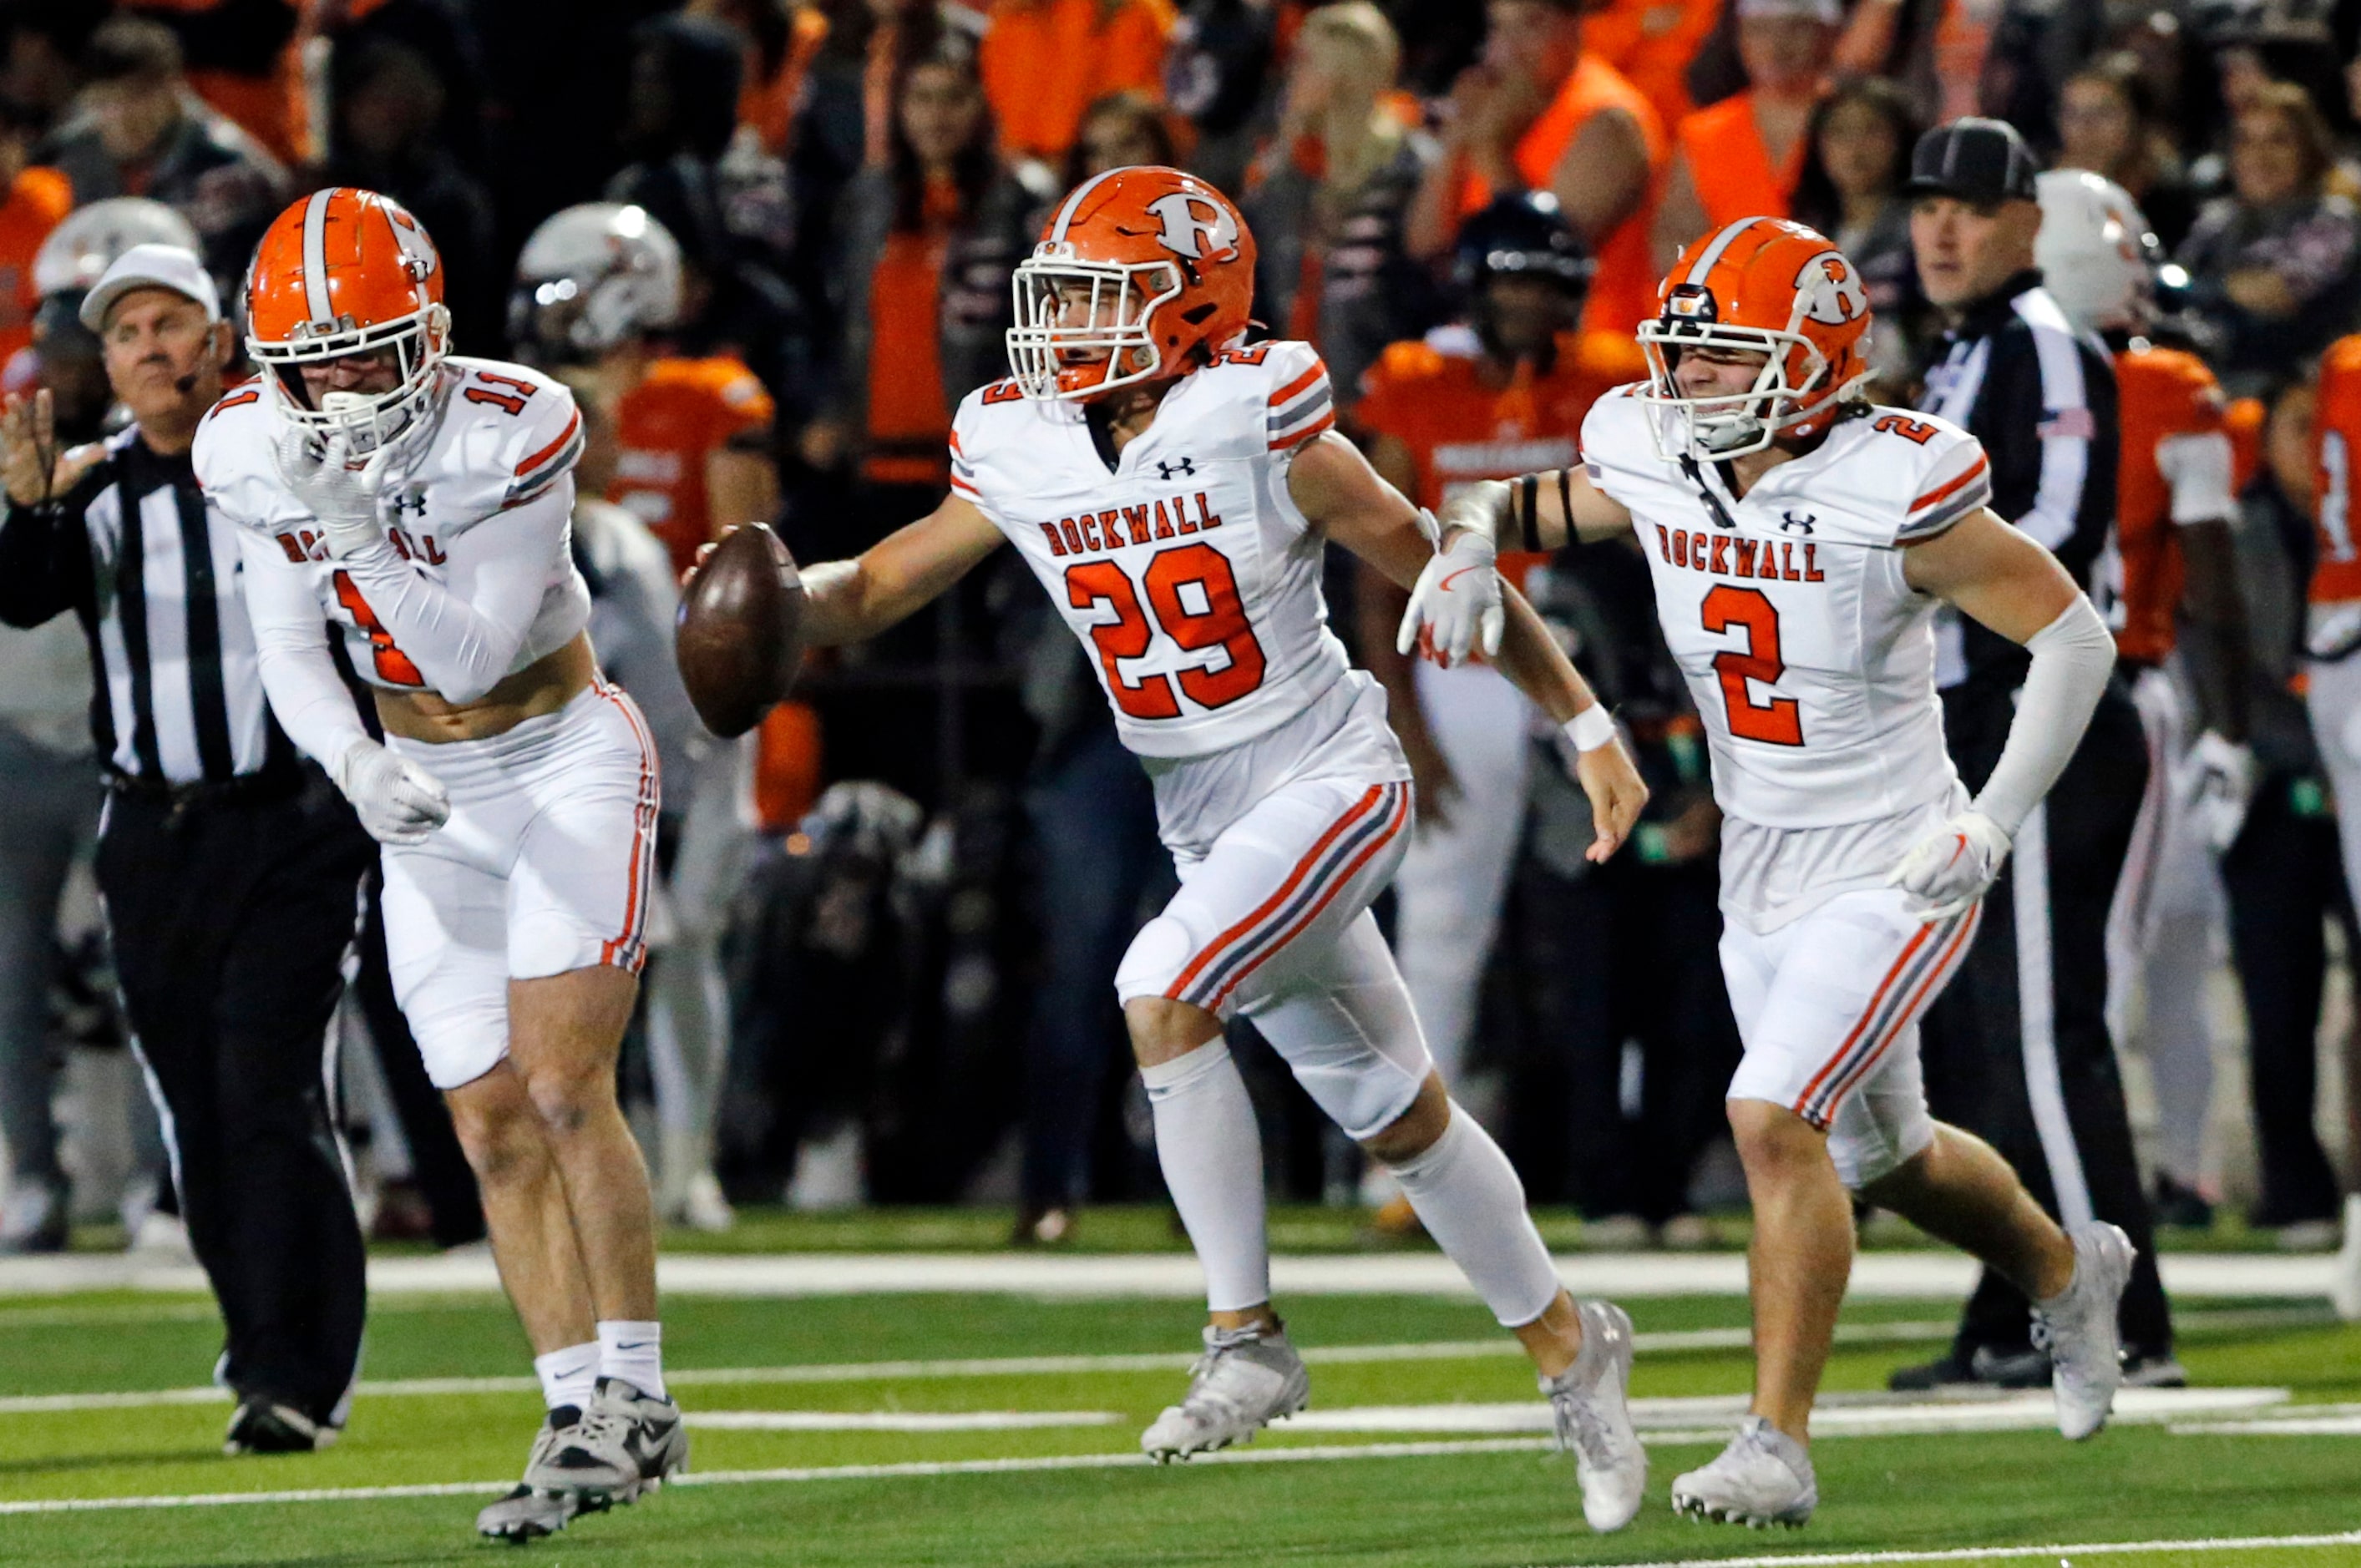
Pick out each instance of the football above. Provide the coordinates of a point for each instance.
(739, 636)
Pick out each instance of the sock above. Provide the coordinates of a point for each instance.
(569, 1376)
(1211, 1153)
(1467, 1195)
(634, 1353)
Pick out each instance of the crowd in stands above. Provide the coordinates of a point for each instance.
(922, 871)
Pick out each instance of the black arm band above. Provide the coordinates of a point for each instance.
(1529, 489)
(1565, 501)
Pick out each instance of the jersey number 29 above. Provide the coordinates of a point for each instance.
(1780, 720)
(1221, 623)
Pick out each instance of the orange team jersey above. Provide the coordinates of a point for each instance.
(2160, 393)
(1652, 43)
(2336, 435)
(1430, 395)
(38, 199)
(1043, 62)
(1730, 168)
(1623, 290)
(680, 414)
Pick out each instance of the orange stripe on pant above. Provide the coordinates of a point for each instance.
(1214, 950)
(1939, 972)
(624, 952)
(1335, 886)
(1876, 1001)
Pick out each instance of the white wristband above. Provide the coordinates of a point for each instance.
(1590, 729)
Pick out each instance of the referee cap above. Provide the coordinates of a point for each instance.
(151, 267)
(1974, 159)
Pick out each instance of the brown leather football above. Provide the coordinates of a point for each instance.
(739, 636)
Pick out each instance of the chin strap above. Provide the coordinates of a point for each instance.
(1722, 518)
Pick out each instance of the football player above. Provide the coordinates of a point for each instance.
(2170, 554)
(1487, 400)
(419, 502)
(1174, 489)
(1800, 541)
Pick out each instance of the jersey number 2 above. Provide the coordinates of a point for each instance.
(1780, 720)
(1221, 624)
(393, 666)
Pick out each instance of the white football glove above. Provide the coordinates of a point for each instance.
(2223, 775)
(1455, 606)
(343, 496)
(398, 801)
(1950, 868)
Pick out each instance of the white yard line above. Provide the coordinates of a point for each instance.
(897, 1420)
(1661, 1341)
(2002, 1554)
(1175, 1275)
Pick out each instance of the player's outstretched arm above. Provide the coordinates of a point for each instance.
(1537, 511)
(2004, 580)
(850, 601)
(1334, 487)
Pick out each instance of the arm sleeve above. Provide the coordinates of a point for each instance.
(290, 641)
(2072, 658)
(44, 564)
(464, 633)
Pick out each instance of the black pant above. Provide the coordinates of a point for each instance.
(2285, 878)
(2053, 1108)
(231, 919)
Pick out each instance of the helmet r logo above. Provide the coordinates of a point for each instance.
(1195, 226)
(1829, 292)
(418, 256)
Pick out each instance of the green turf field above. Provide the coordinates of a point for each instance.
(1062, 1492)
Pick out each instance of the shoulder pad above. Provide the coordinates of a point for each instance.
(1297, 401)
(1922, 471)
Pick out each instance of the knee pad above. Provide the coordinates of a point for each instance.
(1155, 958)
(1873, 1138)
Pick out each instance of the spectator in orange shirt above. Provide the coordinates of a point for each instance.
(598, 287)
(926, 249)
(1652, 42)
(1741, 157)
(37, 199)
(1539, 112)
(1043, 61)
(1327, 200)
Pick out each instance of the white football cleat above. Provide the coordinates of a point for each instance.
(627, 1442)
(2344, 1284)
(2078, 1330)
(531, 1510)
(1246, 1379)
(1763, 1478)
(1594, 1424)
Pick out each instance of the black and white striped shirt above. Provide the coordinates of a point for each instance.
(131, 551)
(2041, 397)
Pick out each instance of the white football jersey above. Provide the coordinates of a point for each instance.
(1811, 659)
(496, 437)
(1184, 567)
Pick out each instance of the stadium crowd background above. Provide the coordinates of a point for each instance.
(893, 939)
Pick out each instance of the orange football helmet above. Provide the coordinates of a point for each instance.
(1764, 286)
(345, 271)
(1137, 269)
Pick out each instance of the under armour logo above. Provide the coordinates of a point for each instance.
(411, 500)
(1790, 523)
(1184, 467)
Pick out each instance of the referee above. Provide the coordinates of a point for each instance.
(230, 868)
(2016, 1048)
